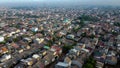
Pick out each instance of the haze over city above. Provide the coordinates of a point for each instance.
(59, 2)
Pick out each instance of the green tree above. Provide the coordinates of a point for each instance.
(4, 42)
(49, 43)
(16, 39)
(88, 65)
(117, 24)
(66, 48)
(88, 18)
(83, 34)
(82, 22)
(92, 36)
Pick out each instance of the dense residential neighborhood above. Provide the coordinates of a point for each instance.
(59, 38)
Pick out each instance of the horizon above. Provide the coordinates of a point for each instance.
(11, 3)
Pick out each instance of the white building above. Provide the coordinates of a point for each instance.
(1, 39)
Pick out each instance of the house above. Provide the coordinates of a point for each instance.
(58, 42)
(68, 61)
(34, 29)
(39, 64)
(2, 24)
(20, 51)
(23, 45)
(46, 47)
(20, 65)
(96, 41)
(63, 32)
(3, 50)
(118, 37)
(92, 25)
(14, 45)
(59, 34)
(24, 30)
(77, 63)
(77, 39)
(99, 64)
(56, 49)
(78, 48)
(66, 23)
(118, 47)
(85, 50)
(43, 53)
(31, 22)
(1, 39)
(26, 39)
(49, 58)
(67, 41)
(71, 56)
(99, 56)
(36, 56)
(38, 35)
(90, 49)
(39, 40)
(5, 58)
(17, 31)
(62, 65)
(79, 33)
(75, 52)
(70, 36)
(1, 45)
(112, 60)
(29, 61)
(81, 45)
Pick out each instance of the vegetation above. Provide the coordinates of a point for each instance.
(34, 33)
(25, 36)
(49, 43)
(16, 39)
(83, 34)
(17, 26)
(82, 23)
(117, 24)
(84, 18)
(42, 32)
(87, 18)
(90, 63)
(66, 48)
(92, 36)
(114, 33)
(3, 42)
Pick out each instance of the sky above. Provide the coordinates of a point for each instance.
(84, 2)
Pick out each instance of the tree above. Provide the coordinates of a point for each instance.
(117, 24)
(88, 65)
(15, 39)
(91, 60)
(92, 36)
(3, 42)
(66, 48)
(83, 34)
(114, 33)
(82, 23)
(49, 43)
(88, 18)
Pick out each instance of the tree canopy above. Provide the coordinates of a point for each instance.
(90, 63)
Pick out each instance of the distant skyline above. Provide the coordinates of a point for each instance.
(70, 2)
